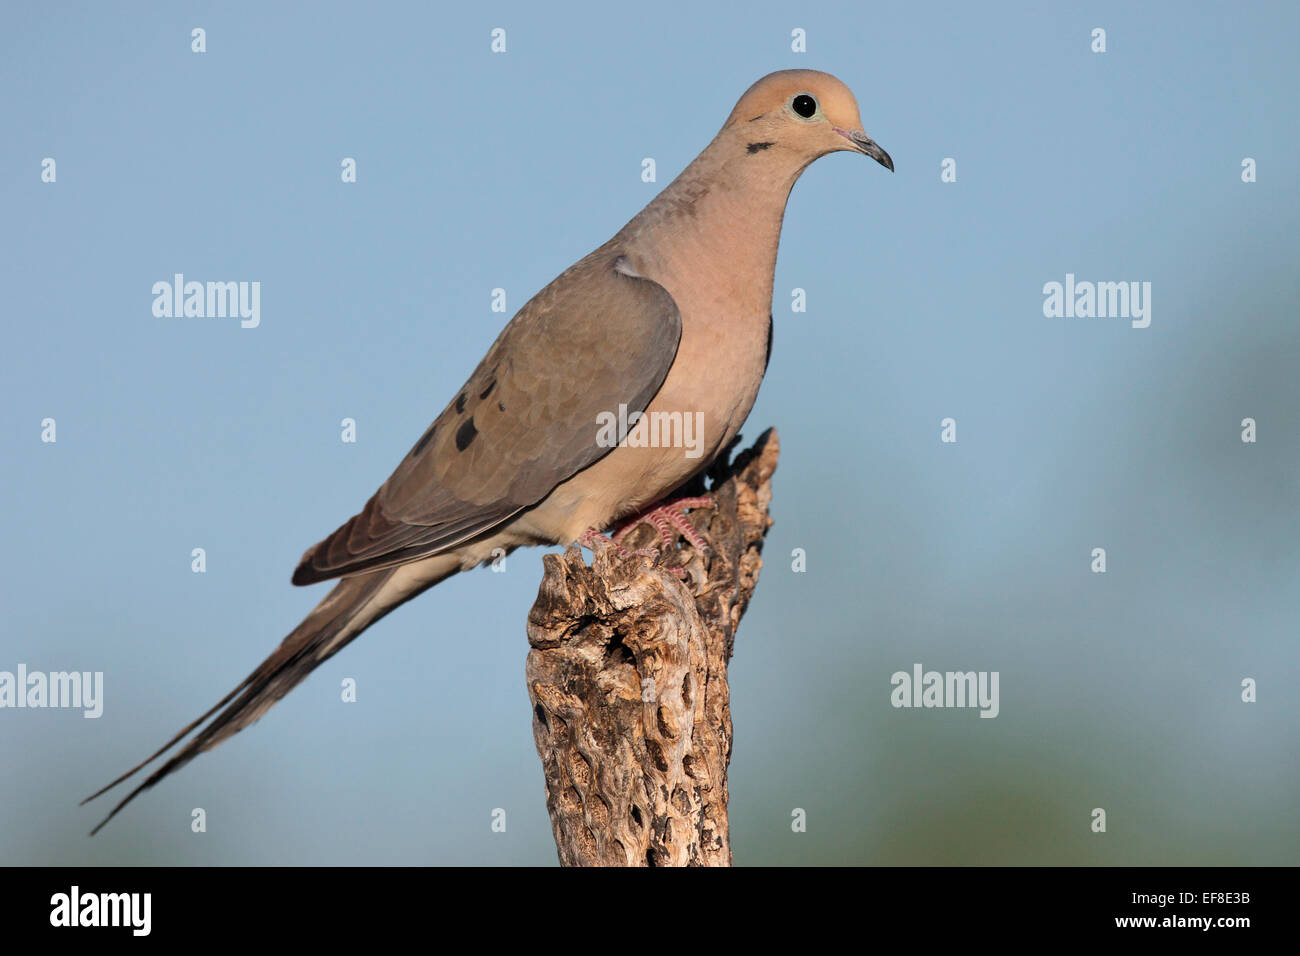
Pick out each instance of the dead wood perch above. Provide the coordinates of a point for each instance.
(627, 676)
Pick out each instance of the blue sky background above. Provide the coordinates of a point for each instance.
(475, 171)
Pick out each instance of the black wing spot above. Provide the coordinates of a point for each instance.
(460, 403)
(424, 439)
(488, 391)
(465, 434)
(755, 147)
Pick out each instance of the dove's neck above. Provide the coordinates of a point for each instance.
(726, 208)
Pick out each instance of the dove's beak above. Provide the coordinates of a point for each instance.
(865, 144)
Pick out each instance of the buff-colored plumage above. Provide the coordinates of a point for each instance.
(673, 315)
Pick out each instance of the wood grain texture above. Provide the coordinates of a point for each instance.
(627, 676)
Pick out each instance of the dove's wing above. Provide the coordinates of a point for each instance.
(596, 337)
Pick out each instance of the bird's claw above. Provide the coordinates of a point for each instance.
(669, 519)
(591, 538)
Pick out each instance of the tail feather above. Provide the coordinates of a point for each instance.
(343, 614)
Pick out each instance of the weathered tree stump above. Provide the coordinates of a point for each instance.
(627, 676)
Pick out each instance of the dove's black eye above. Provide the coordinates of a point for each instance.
(804, 105)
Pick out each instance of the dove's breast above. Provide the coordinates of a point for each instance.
(699, 409)
(712, 244)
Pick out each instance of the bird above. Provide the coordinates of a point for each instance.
(670, 317)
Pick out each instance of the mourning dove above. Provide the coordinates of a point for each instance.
(670, 318)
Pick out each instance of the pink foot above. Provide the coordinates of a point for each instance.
(669, 519)
(591, 536)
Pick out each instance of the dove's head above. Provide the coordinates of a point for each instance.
(801, 115)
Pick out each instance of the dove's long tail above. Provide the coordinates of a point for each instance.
(354, 604)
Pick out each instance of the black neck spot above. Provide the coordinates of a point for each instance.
(755, 147)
